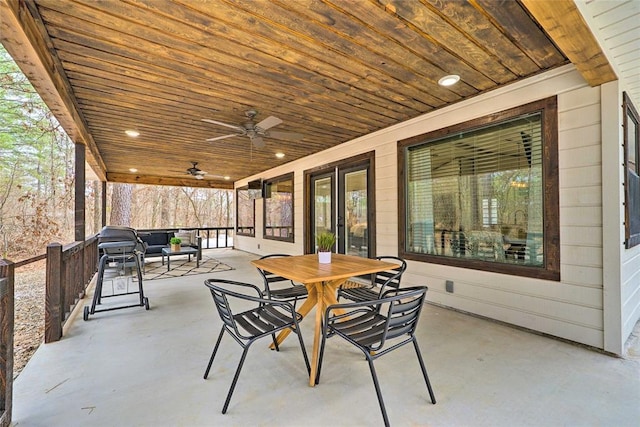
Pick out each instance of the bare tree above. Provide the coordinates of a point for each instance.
(121, 205)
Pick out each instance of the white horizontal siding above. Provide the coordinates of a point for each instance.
(630, 290)
(571, 308)
(581, 235)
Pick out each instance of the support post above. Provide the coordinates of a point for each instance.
(53, 311)
(6, 340)
(104, 203)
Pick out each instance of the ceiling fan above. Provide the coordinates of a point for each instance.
(256, 131)
(195, 172)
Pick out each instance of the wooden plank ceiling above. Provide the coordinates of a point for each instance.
(332, 70)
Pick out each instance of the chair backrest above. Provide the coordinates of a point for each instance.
(269, 277)
(220, 291)
(403, 312)
(390, 278)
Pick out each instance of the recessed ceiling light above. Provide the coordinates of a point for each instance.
(132, 133)
(279, 155)
(227, 177)
(134, 170)
(449, 80)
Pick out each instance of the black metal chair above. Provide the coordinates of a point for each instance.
(377, 328)
(380, 282)
(265, 319)
(286, 289)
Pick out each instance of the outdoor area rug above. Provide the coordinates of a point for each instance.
(181, 266)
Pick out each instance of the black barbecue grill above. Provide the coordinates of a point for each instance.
(121, 251)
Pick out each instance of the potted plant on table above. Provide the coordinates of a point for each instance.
(175, 243)
(325, 242)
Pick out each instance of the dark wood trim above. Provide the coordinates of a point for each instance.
(631, 201)
(284, 177)
(370, 156)
(7, 330)
(80, 199)
(238, 229)
(551, 269)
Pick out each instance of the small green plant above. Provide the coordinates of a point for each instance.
(175, 241)
(325, 241)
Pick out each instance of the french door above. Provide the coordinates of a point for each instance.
(340, 200)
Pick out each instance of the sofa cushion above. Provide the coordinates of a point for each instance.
(156, 238)
(154, 249)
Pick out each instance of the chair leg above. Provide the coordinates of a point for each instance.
(424, 371)
(304, 350)
(320, 357)
(213, 355)
(235, 378)
(378, 391)
(275, 342)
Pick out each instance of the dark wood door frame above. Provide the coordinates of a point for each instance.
(370, 156)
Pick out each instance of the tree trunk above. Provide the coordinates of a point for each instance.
(121, 205)
(97, 206)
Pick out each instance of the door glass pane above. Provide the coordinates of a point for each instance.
(322, 206)
(355, 214)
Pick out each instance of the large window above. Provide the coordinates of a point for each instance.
(246, 211)
(484, 194)
(631, 124)
(278, 208)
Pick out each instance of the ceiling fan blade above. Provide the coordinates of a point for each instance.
(199, 176)
(269, 122)
(258, 141)
(290, 136)
(215, 122)
(222, 137)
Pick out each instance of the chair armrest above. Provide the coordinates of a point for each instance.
(258, 299)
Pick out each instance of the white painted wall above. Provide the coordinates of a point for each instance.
(571, 308)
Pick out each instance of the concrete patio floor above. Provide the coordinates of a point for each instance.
(144, 368)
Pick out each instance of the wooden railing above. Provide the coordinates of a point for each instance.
(69, 271)
(6, 340)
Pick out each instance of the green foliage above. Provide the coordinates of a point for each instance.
(36, 169)
(175, 240)
(325, 241)
(37, 181)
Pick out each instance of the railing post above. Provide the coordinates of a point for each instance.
(53, 304)
(6, 340)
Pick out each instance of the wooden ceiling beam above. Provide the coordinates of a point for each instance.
(562, 20)
(24, 37)
(163, 180)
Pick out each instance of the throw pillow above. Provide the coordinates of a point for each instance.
(192, 236)
(185, 237)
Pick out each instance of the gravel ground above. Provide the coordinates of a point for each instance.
(29, 313)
